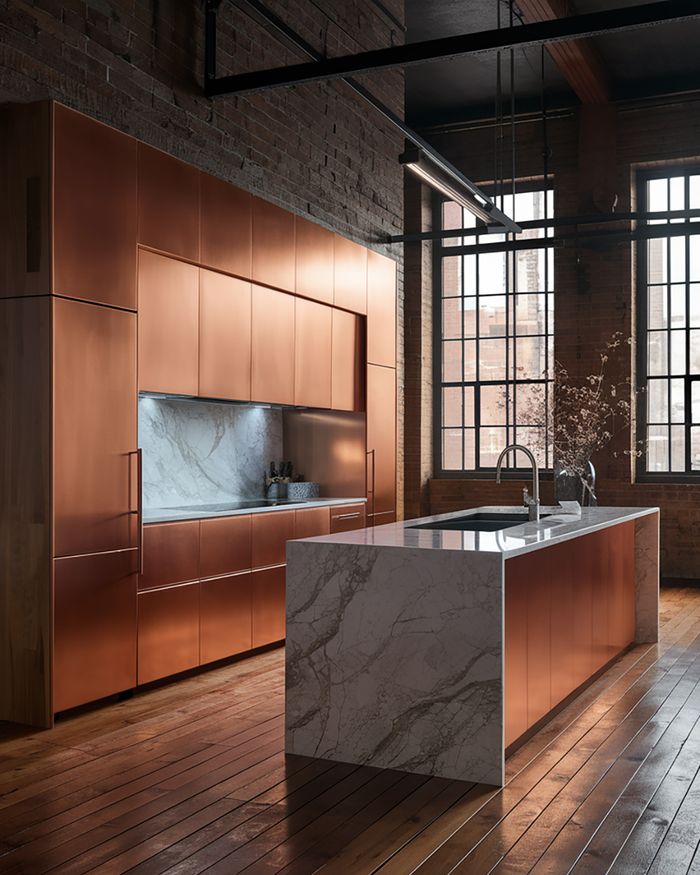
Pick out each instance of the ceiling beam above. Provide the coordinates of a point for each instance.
(539, 33)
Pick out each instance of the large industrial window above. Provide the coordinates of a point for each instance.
(494, 353)
(669, 322)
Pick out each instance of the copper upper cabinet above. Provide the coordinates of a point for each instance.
(94, 428)
(273, 245)
(224, 336)
(168, 203)
(272, 360)
(381, 443)
(94, 205)
(168, 325)
(347, 361)
(314, 261)
(350, 275)
(381, 310)
(312, 344)
(226, 231)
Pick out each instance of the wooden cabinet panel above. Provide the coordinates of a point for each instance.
(620, 577)
(272, 365)
(348, 517)
(381, 439)
(271, 531)
(515, 650)
(224, 545)
(224, 336)
(560, 571)
(94, 646)
(539, 665)
(273, 245)
(312, 356)
(94, 428)
(350, 275)
(168, 631)
(381, 310)
(168, 203)
(312, 522)
(268, 615)
(582, 632)
(598, 561)
(347, 361)
(226, 226)
(170, 553)
(94, 211)
(225, 616)
(314, 261)
(168, 325)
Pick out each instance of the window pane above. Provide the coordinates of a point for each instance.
(695, 306)
(657, 352)
(694, 247)
(492, 273)
(677, 193)
(657, 401)
(452, 406)
(530, 314)
(678, 448)
(492, 316)
(677, 400)
(535, 440)
(492, 441)
(451, 318)
(530, 357)
(451, 361)
(678, 306)
(657, 307)
(469, 449)
(452, 449)
(469, 314)
(492, 360)
(493, 405)
(657, 448)
(530, 270)
(694, 193)
(695, 449)
(452, 218)
(469, 266)
(469, 361)
(677, 259)
(530, 403)
(656, 260)
(469, 405)
(678, 357)
(695, 397)
(694, 367)
(657, 193)
(451, 276)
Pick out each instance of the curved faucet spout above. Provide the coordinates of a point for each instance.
(533, 504)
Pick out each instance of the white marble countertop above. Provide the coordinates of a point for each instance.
(514, 541)
(207, 511)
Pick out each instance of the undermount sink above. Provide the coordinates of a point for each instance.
(480, 522)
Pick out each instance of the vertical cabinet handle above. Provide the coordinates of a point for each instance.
(139, 482)
(371, 490)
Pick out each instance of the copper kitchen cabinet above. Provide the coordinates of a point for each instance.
(312, 356)
(539, 658)
(347, 361)
(348, 517)
(381, 310)
(94, 470)
(168, 631)
(225, 545)
(168, 325)
(225, 616)
(561, 573)
(381, 443)
(314, 261)
(312, 522)
(94, 206)
(224, 336)
(168, 203)
(273, 245)
(94, 646)
(170, 553)
(272, 360)
(226, 226)
(271, 531)
(350, 275)
(268, 624)
(517, 581)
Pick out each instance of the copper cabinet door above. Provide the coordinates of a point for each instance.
(348, 517)
(517, 574)
(226, 226)
(168, 631)
(94, 211)
(170, 553)
(272, 365)
(347, 361)
(95, 402)
(273, 245)
(168, 203)
(224, 336)
(269, 617)
(225, 616)
(314, 261)
(224, 545)
(271, 531)
(312, 356)
(381, 439)
(312, 522)
(350, 275)
(94, 647)
(168, 325)
(381, 310)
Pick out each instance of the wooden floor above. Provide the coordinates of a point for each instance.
(192, 777)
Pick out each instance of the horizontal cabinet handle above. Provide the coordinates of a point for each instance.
(347, 516)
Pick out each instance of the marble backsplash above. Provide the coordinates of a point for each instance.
(199, 452)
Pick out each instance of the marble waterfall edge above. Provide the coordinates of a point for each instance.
(394, 659)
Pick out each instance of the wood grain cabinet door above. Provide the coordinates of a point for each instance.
(347, 361)
(225, 616)
(168, 631)
(226, 226)
(273, 245)
(94, 648)
(224, 545)
(268, 625)
(314, 261)
(224, 336)
(350, 275)
(381, 310)
(170, 553)
(381, 442)
(271, 531)
(94, 211)
(312, 356)
(272, 364)
(168, 325)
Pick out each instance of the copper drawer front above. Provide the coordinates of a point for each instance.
(348, 517)
(224, 546)
(225, 616)
(271, 531)
(312, 522)
(170, 553)
(268, 624)
(168, 637)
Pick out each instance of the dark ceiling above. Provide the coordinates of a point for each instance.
(654, 60)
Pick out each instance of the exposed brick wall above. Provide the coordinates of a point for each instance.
(595, 296)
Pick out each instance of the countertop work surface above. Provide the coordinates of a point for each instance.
(524, 538)
(232, 508)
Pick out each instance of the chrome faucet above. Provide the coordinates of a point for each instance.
(532, 504)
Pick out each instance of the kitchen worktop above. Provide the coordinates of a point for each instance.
(233, 508)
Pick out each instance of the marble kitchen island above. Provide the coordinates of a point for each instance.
(422, 647)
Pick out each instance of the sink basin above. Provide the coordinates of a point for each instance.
(480, 522)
